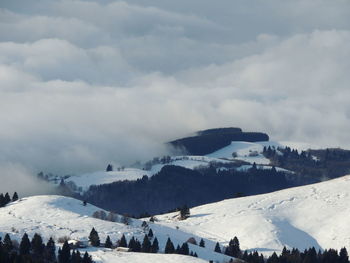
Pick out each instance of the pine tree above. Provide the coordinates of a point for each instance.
(2, 200)
(50, 250)
(109, 168)
(185, 249)
(37, 245)
(122, 242)
(24, 247)
(64, 254)
(169, 247)
(146, 245)
(150, 233)
(155, 246)
(94, 238)
(184, 212)
(132, 242)
(217, 248)
(76, 258)
(108, 243)
(7, 244)
(202, 243)
(233, 248)
(7, 198)
(15, 197)
(86, 258)
(343, 256)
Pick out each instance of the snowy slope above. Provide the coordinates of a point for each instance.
(119, 257)
(84, 181)
(314, 215)
(246, 151)
(58, 216)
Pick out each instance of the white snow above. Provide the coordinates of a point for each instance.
(58, 216)
(250, 152)
(314, 215)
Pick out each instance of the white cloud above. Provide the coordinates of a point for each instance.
(84, 83)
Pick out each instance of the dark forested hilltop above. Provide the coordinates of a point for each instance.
(208, 141)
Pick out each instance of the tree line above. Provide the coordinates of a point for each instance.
(6, 199)
(36, 251)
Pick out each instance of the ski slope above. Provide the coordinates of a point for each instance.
(314, 215)
(58, 216)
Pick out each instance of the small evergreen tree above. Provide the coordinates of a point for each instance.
(86, 258)
(150, 233)
(7, 198)
(202, 243)
(64, 253)
(217, 248)
(108, 243)
(146, 245)
(24, 247)
(184, 212)
(109, 168)
(50, 250)
(123, 242)
(15, 197)
(169, 247)
(155, 246)
(94, 238)
(185, 249)
(7, 244)
(37, 245)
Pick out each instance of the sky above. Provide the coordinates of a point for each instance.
(87, 83)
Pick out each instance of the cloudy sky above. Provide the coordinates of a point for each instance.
(84, 83)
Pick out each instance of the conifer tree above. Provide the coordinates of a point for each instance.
(50, 250)
(76, 257)
(146, 245)
(64, 254)
(169, 247)
(343, 256)
(37, 245)
(15, 197)
(150, 233)
(132, 242)
(108, 243)
(7, 243)
(185, 249)
(7, 198)
(94, 238)
(178, 249)
(217, 248)
(87, 258)
(202, 243)
(2, 200)
(122, 242)
(24, 247)
(155, 246)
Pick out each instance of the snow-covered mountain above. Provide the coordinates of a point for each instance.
(313, 215)
(243, 153)
(58, 217)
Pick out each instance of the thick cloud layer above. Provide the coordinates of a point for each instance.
(85, 83)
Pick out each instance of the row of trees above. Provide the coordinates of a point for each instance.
(6, 199)
(36, 251)
(147, 246)
(308, 256)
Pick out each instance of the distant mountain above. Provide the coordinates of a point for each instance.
(208, 141)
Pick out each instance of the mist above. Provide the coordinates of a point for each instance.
(87, 83)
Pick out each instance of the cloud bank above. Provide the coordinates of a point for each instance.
(85, 83)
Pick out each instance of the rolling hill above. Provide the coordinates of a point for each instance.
(313, 215)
